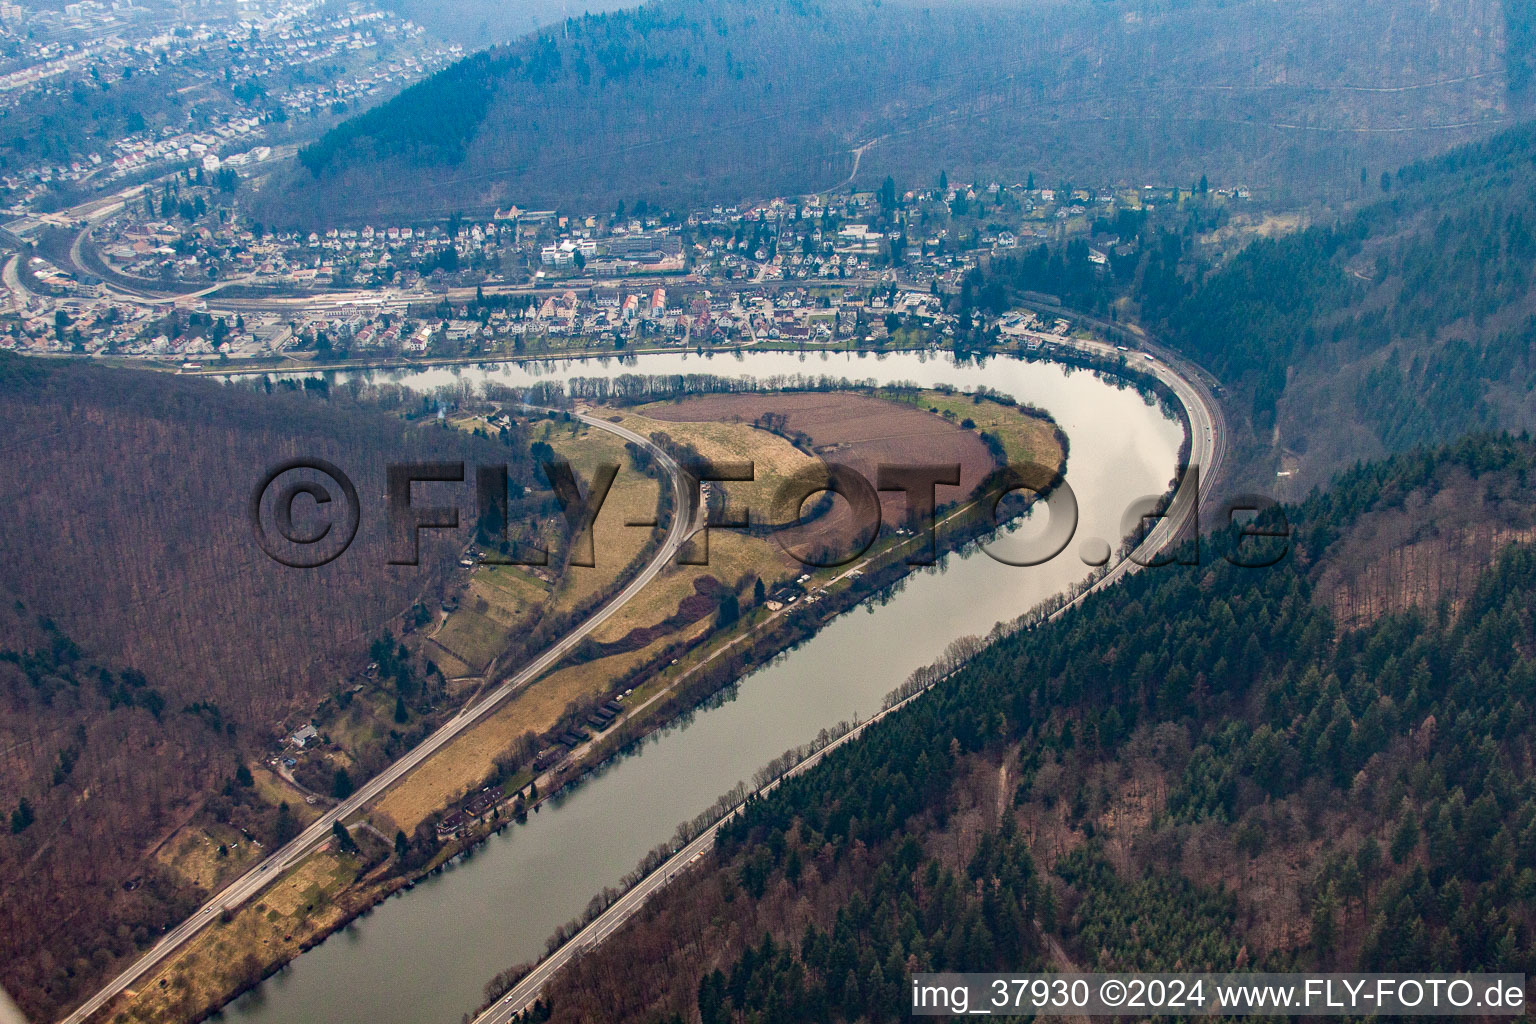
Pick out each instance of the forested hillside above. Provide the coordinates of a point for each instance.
(1410, 321)
(475, 24)
(148, 647)
(687, 101)
(1205, 767)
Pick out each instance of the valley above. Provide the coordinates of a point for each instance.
(703, 513)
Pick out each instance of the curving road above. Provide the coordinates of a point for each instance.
(10, 275)
(1196, 496)
(682, 526)
(1208, 451)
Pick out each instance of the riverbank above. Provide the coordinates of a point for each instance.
(1022, 349)
(679, 676)
(982, 592)
(512, 992)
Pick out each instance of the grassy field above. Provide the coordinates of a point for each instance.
(452, 668)
(466, 762)
(773, 457)
(366, 720)
(471, 757)
(193, 854)
(226, 955)
(274, 790)
(631, 499)
(471, 637)
(1024, 437)
(732, 554)
(858, 431)
(508, 592)
(512, 585)
(500, 598)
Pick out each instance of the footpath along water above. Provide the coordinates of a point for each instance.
(425, 955)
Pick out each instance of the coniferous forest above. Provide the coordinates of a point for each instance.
(1402, 318)
(1324, 763)
(1208, 767)
(1409, 321)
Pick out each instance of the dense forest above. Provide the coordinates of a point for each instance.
(1410, 321)
(1242, 779)
(475, 24)
(149, 648)
(1405, 319)
(684, 102)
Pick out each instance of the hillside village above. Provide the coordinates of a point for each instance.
(224, 90)
(138, 239)
(808, 270)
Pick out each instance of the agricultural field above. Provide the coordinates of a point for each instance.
(858, 430)
(1024, 438)
(464, 764)
(732, 555)
(862, 432)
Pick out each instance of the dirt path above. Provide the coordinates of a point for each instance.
(858, 157)
(1058, 959)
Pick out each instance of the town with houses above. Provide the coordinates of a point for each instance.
(138, 244)
(809, 270)
(228, 83)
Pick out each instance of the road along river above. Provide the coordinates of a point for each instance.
(425, 955)
(301, 846)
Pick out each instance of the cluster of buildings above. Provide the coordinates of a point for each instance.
(237, 84)
(841, 238)
(222, 83)
(600, 318)
(929, 233)
(42, 60)
(620, 253)
(201, 146)
(91, 321)
(807, 271)
(816, 269)
(145, 245)
(456, 822)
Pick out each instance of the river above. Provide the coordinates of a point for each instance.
(425, 956)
